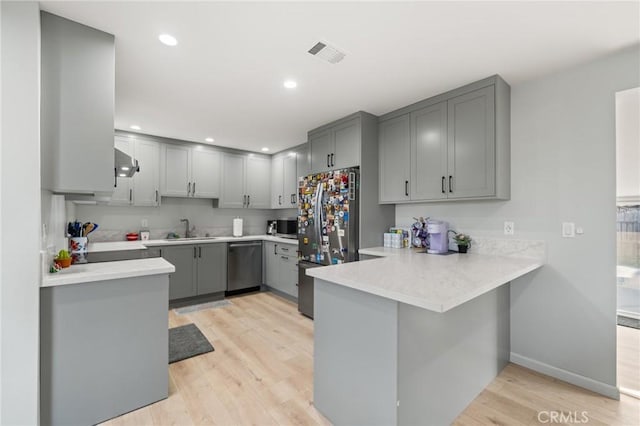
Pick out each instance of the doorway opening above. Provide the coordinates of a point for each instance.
(628, 240)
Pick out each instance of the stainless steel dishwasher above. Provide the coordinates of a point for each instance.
(244, 266)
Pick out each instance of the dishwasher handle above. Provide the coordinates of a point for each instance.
(235, 245)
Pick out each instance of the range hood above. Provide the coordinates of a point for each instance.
(125, 165)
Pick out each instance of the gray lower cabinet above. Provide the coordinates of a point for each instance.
(200, 269)
(182, 283)
(103, 349)
(456, 144)
(282, 267)
(212, 268)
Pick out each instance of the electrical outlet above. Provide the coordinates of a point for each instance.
(568, 229)
(144, 223)
(509, 228)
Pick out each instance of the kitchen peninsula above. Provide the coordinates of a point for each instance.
(103, 340)
(410, 338)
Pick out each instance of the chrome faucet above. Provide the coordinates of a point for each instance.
(186, 233)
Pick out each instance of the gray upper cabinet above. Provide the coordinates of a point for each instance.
(395, 151)
(146, 182)
(191, 171)
(77, 107)
(177, 174)
(459, 146)
(346, 139)
(302, 161)
(429, 152)
(284, 181)
(246, 181)
(336, 146)
(321, 147)
(471, 141)
(123, 191)
(212, 268)
(233, 193)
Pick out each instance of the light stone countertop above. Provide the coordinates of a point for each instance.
(92, 272)
(434, 282)
(141, 245)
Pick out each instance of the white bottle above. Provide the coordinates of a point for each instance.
(237, 227)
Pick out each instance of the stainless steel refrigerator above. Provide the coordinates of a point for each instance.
(327, 225)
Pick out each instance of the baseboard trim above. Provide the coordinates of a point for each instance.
(566, 376)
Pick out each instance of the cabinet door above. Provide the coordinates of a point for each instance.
(146, 181)
(177, 173)
(290, 182)
(347, 145)
(258, 182)
(232, 193)
(302, 162)
(395, 155)
(272, 265)
(182, 283)
(472, 147)
(277, 182)
(429, 153)
(321, 147)
(122, 193)
(288, 275)
(205, 173)
(212, 268)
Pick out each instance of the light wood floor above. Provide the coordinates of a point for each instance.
(261, 373)
(629, 358)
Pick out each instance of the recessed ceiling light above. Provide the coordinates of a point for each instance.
(125, 168)
(292, 154)
(265, 149)
(167, 39)
(123, 175)
(209, 140)
(134, 127)
(290, 84)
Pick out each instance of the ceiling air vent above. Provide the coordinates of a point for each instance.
(326, 52)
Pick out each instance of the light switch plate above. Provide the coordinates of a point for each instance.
(144, 223)
(509, 228)
(568, 229)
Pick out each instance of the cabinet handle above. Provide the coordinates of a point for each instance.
(194, 252)
(293, 198)
(189, 188)
(244, 201)
(115, 177)
(284, 257)
(275, 249)
(443, 185)
(332, 160)
(450, 184)
(328, 165)
(199, 251)
(193, 190)
(406, 188)
(284, 249)
(156, 196)
(248, 200)
(130, 194)
(160, 252)
(280, 200)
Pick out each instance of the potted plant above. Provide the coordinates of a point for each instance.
(63, 259)
(462, 240)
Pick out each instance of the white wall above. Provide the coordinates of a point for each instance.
(20, 213)
(628, 144)
(563, 168)
(115, 221)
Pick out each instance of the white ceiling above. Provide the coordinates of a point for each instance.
(224, 79)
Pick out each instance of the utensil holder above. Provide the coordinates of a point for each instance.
(78, 249)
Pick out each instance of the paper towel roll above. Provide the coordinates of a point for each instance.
(237, 227)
